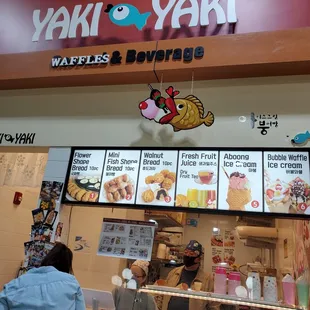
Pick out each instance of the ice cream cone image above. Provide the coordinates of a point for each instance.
(238, 198)
(239, 193)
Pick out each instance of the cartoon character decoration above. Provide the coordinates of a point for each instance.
(301, 138)
(127, 15)
(181, 113)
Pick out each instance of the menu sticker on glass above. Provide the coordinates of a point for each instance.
(126, 239)
(197, 179)
(286, 182)
(85, 176)
(229, 238)
(229, 256)
(157, 177)
(216, 255)
(120, 176)
(240, 181)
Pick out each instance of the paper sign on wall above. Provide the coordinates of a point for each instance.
(126, 239)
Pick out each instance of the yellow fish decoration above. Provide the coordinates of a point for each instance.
(181, 113)
(191, 114)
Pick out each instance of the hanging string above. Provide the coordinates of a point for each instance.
(161, 83)
(192, 87)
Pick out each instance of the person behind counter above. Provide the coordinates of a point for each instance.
(51, 286)
(126, 299)
(185, 277)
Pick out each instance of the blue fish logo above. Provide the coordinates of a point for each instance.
(301, 138)
(127, 15)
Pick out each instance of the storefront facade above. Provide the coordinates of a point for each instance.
(106, 79)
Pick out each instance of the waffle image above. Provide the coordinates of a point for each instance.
(238, 198)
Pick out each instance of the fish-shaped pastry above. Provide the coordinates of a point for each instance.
(181, 113)
(301, 138)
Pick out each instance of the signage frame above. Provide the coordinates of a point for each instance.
(184, 209)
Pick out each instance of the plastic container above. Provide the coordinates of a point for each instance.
(234, 280)
(254, 286)
(289, 290)
(220, 281)
(270, 289)
(302, 284)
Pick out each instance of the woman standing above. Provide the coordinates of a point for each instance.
(127, 299)
(51, 286)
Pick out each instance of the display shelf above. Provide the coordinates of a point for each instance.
(229, 300)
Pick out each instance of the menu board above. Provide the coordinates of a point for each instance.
(85, 175)
(197, 179)
(120, 175)
(157, 177)
(286, 182)
(126, 239)
(242, 180)
(240, 185)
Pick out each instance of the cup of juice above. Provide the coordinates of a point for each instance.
(206, 176)
(192, 194)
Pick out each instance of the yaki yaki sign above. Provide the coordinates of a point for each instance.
(181, 113)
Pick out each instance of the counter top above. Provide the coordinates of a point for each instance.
(223, 299)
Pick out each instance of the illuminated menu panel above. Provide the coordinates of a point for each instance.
(120, 175)
(239, 180)
(197, 179)
(286, 182)
(157, 178)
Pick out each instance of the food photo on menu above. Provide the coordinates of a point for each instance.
(197, 179)
(286, 183)
(120, 176)
(238, 192)
(282, 197)
(240, 186)
(85, 176)
(217, 240)
(158, 186)
(156, 182)
(84, 188)
(118, 189)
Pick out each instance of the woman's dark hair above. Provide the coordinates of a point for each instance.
(59, 257)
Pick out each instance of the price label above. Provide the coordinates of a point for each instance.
(302, 207)
(167, 199)
(255, 204)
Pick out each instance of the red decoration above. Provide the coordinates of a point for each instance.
(18, 197)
